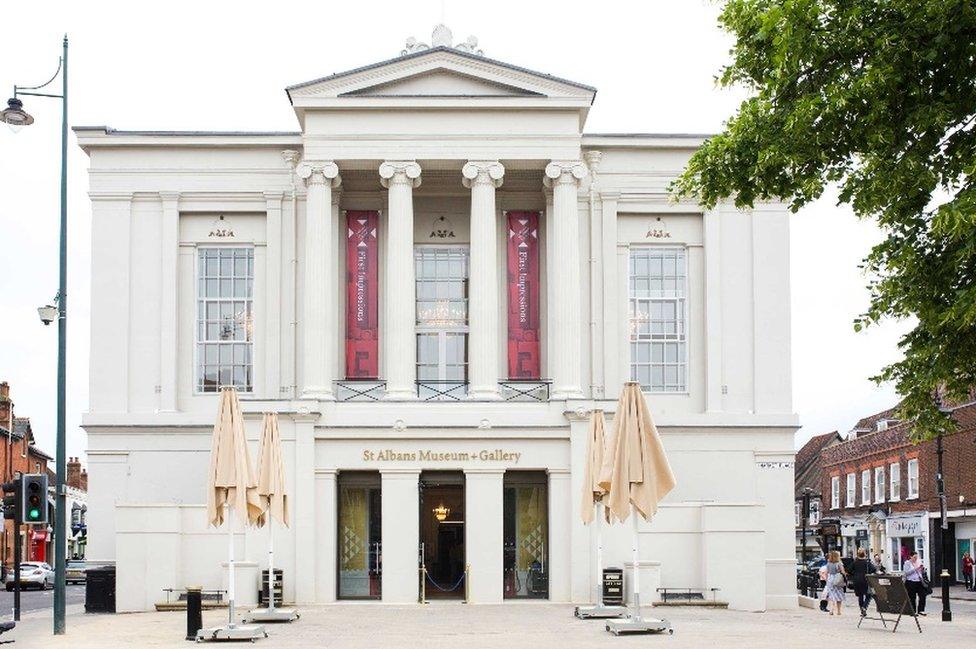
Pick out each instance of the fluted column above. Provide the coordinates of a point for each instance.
(318, 325)
(400, 177)
(563, 177)
(482, 177)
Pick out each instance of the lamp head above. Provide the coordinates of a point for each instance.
(14, 115)
(48, 313)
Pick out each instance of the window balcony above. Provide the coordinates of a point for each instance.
(524, 390)
(442, 390)
(360, 390)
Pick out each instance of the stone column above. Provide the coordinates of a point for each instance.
(318, 325)
(482, 177)
(400, 177)
(563, 177)
(401, 535)
(484, 534)
(325, 535)
(561, 512)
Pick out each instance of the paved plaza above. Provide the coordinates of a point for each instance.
(508, 626)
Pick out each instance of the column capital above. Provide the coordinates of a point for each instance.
(400, 172)
(483, 172)
(169, 197)
(319, 172)
(560, 172)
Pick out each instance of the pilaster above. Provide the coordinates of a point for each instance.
(169, 239)
(401, 535)
(325, 535)
(272, 302)
(484, 534)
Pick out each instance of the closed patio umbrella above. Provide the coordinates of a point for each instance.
(637, 476)
(231, 487)
(274, 503)
(592, 501)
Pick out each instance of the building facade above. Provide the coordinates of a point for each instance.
(434, 282)
(884, 489)
(808, 479)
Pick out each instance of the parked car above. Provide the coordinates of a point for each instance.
(32, 574)
(75, 572)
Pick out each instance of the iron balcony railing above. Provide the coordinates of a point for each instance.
(360, 390)
(438, 390)
(524, 390)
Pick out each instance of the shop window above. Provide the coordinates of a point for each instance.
(894, 482)
(658, 333)
(851, 490)
(225, 278)
(526, 535)
(359, 542)
(913, 479)
(835, 492)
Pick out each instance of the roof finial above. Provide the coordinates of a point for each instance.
(442, 37)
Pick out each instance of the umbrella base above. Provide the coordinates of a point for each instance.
(600, 611)
(236, 632)
(639, 625)
(272, 615)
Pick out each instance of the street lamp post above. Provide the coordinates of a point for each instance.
(16, 116)
(944, 520)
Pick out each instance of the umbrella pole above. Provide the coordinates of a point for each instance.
(634, 544)
(230, 566)
(599, 553)
(271, 573)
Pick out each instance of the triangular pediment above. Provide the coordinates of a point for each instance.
(438, 72)
(442, 83)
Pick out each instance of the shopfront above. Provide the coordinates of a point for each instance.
(907, 533)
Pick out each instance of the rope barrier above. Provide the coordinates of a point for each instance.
(441, 588)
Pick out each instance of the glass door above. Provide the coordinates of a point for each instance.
(526, 535)
(360, 555)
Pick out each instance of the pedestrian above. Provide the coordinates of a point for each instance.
(879, 565)
(967, 570)
(860, 569)
(836, 580)
(914, 582)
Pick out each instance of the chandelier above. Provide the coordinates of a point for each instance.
(441, 513)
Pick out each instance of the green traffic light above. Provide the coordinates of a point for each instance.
(34, 514)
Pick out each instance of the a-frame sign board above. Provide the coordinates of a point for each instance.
(891, 597)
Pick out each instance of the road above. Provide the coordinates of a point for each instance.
(36, 600)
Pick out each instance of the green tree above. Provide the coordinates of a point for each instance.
(879, 98)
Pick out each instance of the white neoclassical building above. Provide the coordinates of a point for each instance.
(433, 282)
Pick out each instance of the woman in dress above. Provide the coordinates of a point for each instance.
(834, 588)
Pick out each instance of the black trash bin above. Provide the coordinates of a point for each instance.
(100, 590)
(613, 587)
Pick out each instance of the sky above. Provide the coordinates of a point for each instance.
(224, 66)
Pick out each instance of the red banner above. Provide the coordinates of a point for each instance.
(362, 296)
(523, 295)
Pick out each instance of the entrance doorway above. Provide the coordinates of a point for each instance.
(442, 533)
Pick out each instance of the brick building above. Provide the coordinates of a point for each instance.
(882, 487)
(807, 475)
(18, 454)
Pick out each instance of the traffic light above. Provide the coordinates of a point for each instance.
(33, 492)
(11, 498)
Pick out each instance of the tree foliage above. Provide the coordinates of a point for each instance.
(879, 98)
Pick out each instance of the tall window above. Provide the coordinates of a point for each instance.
(835, 492)
(866, 487)
(894, 482)
(913, 478)
(658, 335)
(851, 490)
(225, 284)
(442, 321)
(879, 484)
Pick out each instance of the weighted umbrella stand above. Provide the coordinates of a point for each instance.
(635, 623)
(271, 613)
(600, 610)
(232, 630)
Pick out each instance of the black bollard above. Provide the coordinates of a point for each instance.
(194, 612)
